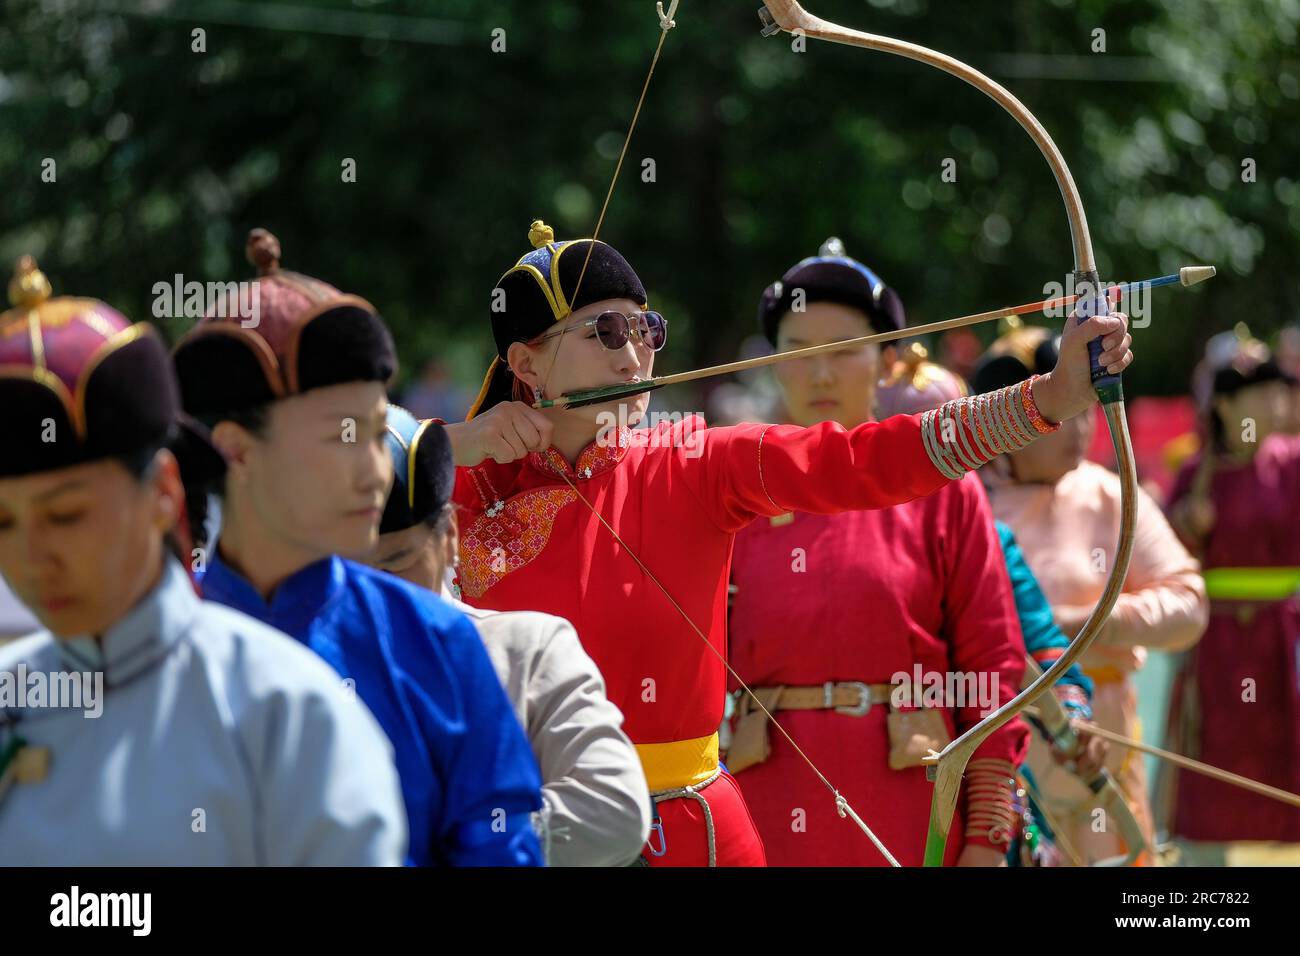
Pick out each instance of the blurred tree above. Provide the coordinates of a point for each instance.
(1182, 134)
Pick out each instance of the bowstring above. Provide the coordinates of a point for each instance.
(842, 806)
(666, 23)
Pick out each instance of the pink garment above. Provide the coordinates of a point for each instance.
(1069, 531)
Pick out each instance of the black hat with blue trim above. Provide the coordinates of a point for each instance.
(424, 471)
(831, 276)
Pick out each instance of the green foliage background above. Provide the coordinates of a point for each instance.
(166, 157)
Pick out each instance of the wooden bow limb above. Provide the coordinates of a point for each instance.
(1050, 715)
(1187, 763)
(666, 21)
(1187, 276)
(949, 765)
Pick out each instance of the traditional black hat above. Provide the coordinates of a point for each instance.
(424, 470)
(831, 276)
(290, 333)
(79, 382)
(543, 288)
(1233, 361)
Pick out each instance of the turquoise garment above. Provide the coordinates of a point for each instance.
(1041, 633)
(1036, 622)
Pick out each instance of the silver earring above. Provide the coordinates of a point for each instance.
(455, 579)
(537, 393)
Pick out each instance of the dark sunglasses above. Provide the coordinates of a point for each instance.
(613, 329)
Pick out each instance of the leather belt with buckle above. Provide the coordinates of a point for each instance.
(851, 698)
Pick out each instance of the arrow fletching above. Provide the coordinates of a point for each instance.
(595, 396)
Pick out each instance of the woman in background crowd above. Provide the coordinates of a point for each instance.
(294, 386)
(1236, 703)
(829, 608)
(1065, 513)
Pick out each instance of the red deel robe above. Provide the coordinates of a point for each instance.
(676, 497)
(861, 597)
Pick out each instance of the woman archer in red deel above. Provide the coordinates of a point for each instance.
(631, 539)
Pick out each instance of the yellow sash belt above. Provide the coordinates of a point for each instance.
(679, 763)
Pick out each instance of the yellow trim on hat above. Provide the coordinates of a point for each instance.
(556, 284)
(410, 462)
(483, 391)
(38, 340)
(542, 284)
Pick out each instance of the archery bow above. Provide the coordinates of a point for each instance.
(948, 766)
(1052, 719)
(1196, 766)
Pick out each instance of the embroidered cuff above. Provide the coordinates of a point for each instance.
(965, 433)
(990, 802)
(1041, 424)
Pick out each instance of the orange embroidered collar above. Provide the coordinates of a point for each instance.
(598, 457)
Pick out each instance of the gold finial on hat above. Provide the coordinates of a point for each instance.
(914, 355)
(908, 366)
(263, 252)
(1009, 323)
(540, 234)
(29, 287)
(1250, 351)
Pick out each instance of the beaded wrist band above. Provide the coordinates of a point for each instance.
(1074, 700)
(1041, 424)
(990, 801)
(965, 433)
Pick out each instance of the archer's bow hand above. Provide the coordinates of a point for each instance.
(1086, 759)
(1067, 389)
(504, 433)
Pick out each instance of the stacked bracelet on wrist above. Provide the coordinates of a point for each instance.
(990, 808)
(965, 433)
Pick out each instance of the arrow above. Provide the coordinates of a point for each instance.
(1187, 276)
(1187, 763)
